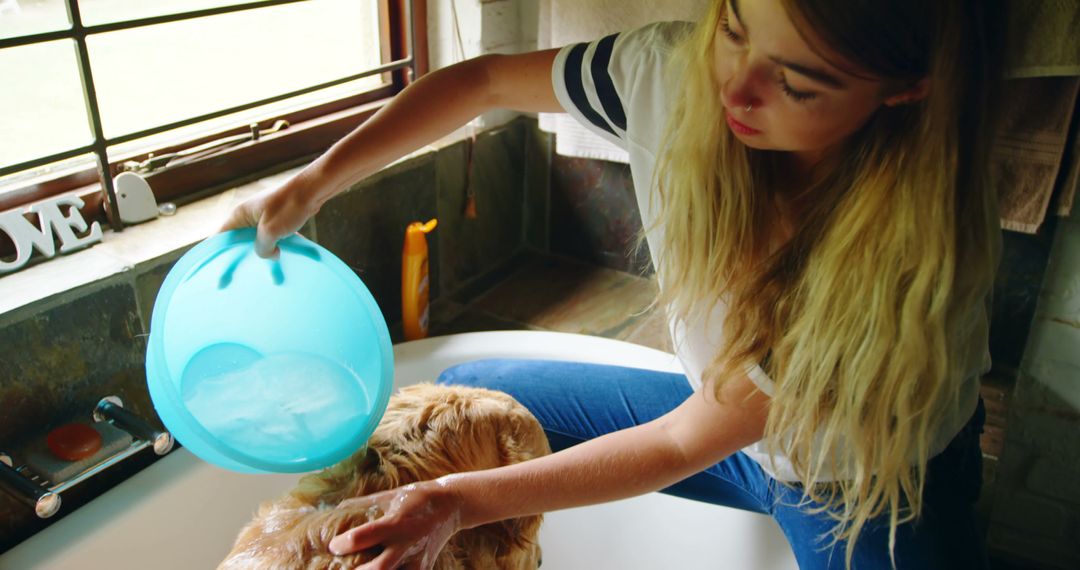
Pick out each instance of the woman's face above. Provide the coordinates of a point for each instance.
(778, 94)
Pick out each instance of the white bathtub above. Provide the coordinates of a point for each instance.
(183, 514)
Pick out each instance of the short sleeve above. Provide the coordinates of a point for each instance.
(760, 379)
(615, 86)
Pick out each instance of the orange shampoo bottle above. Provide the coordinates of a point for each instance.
(415, 285)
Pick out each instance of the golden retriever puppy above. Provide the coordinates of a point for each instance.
(427, 431)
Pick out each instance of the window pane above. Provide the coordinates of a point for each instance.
(260, 115)
(23, 18)
(108, 11)
(42, 174)
(41, 102)
(152, 76)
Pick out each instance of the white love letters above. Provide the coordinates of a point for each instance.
(52, 221)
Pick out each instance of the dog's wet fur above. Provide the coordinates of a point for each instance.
(426, 432)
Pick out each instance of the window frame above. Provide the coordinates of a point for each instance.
(311, 130)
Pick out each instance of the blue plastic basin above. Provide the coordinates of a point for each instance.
(267, 366)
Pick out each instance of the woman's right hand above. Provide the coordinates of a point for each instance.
(417, 520)
(275, 213)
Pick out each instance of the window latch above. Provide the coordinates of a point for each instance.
(154, 163)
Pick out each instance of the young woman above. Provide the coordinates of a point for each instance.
(811, 178)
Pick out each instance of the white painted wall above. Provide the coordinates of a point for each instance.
(486, 26)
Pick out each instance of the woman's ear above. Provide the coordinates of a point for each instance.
(912, 94)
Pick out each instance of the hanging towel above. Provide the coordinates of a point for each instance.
(1029, 151)
(1043, 38)
(1036, 158)
(1071, 181)
(564, 22)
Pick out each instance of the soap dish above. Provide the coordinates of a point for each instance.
(51, 468)
(39, 481)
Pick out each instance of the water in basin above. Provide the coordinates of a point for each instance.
(273, 406)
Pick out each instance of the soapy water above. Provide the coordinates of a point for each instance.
(281, 408)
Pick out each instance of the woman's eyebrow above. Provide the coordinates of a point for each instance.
(819, 75)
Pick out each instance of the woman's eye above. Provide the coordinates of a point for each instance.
(726, 28)
(796, 95)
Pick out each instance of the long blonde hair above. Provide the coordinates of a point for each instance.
(860, 318)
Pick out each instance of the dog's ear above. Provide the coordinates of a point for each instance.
(375, 471)
(335, 483)
(372, 461)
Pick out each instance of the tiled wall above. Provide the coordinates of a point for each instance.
(1037, 508)
(64, 354)
(594, 214)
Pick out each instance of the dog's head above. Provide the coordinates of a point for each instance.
(426, 432)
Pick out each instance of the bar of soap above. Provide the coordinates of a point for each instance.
(74, 441)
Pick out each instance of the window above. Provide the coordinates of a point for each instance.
(193, 94)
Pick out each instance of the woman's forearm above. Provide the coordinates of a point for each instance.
(429, 109)
(432, 107)
(698, 433)
(615, 466)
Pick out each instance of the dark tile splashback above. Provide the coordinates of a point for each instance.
(495, 177)
(57, 364)
(594, 214)
(60, 362)
(538, 148)
(1016, 292)
(365, 227)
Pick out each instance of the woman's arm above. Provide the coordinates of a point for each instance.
(430, 108)
(434, 106)
(700, 432)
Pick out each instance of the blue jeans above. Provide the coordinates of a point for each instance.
(575, 402)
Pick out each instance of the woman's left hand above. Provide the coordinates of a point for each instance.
(417, 521)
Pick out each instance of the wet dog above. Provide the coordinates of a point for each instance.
(426, 432)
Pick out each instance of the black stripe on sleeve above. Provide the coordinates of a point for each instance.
(576, 89)
(605, 89)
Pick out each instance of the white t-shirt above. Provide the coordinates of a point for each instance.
(617, 87)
